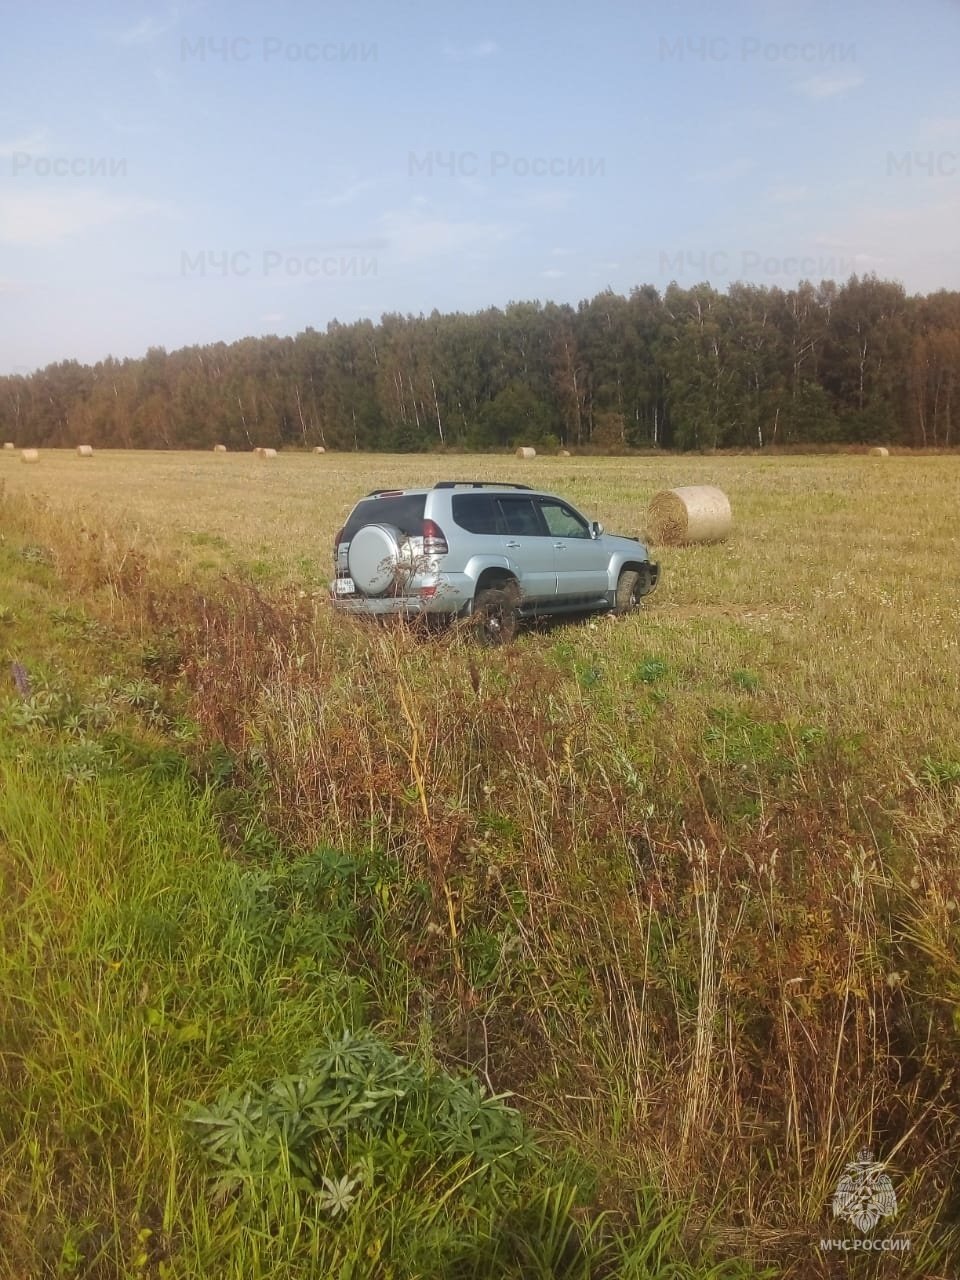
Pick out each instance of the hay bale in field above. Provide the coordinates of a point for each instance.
(879, 451)
(319, 449)
(694, 513)
(219, 448)
(266, 453)
(564, 453)
(10, 445)
(30, 455)
(84, 451)
(526, 452)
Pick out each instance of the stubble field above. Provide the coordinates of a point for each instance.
(839, 589)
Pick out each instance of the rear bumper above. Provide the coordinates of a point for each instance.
(448, 595)
(400, 606)
(443, 600)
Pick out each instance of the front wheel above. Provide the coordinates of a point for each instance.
(495, 618)
(628, 592)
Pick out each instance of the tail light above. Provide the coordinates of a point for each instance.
(338, 537)
(434, 542)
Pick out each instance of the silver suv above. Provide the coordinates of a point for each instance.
(490, 552)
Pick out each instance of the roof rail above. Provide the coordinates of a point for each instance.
(479, 484)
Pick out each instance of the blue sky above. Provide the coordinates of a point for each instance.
(208, 171)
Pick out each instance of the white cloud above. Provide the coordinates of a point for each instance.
(552, 273)
(537, 198)
(784, 193)
(941, 126)
(145, 31)
(414, 234)
(915, 244)
(819, 87)
(724, 172)
(123, 125)
(37, 140)
(469, 53)
(164, 81)
(345, 196)
(368, 244)
(40, 218)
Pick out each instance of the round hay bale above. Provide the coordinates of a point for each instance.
(564, 453)
(319, 449)
(84, 451)
(10, 445)
(526, 452)
(30, 455)
(219, 448)
(266, 453)
(694, 513)
(879, 451)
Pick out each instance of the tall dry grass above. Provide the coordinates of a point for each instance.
(729, 1003)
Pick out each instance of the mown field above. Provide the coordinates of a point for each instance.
(686, 884)
(839, 586)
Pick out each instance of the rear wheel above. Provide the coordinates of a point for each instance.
(628, 592)
(495, 616)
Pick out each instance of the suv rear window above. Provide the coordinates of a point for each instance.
(404, 510)
(477, 513)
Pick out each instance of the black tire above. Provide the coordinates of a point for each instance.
(495, 617)
(628, 595)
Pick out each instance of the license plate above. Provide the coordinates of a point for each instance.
(343, 586)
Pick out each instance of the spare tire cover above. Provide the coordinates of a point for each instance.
(374, 557)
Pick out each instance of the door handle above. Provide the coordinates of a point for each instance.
(513, 545)
(559, 546)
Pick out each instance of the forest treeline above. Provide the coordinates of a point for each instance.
(687, 369)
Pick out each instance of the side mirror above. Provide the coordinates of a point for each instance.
(596, 529)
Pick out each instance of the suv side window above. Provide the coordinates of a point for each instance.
(562, 521)
(520, 516)
(403, 510)
(477, 513)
